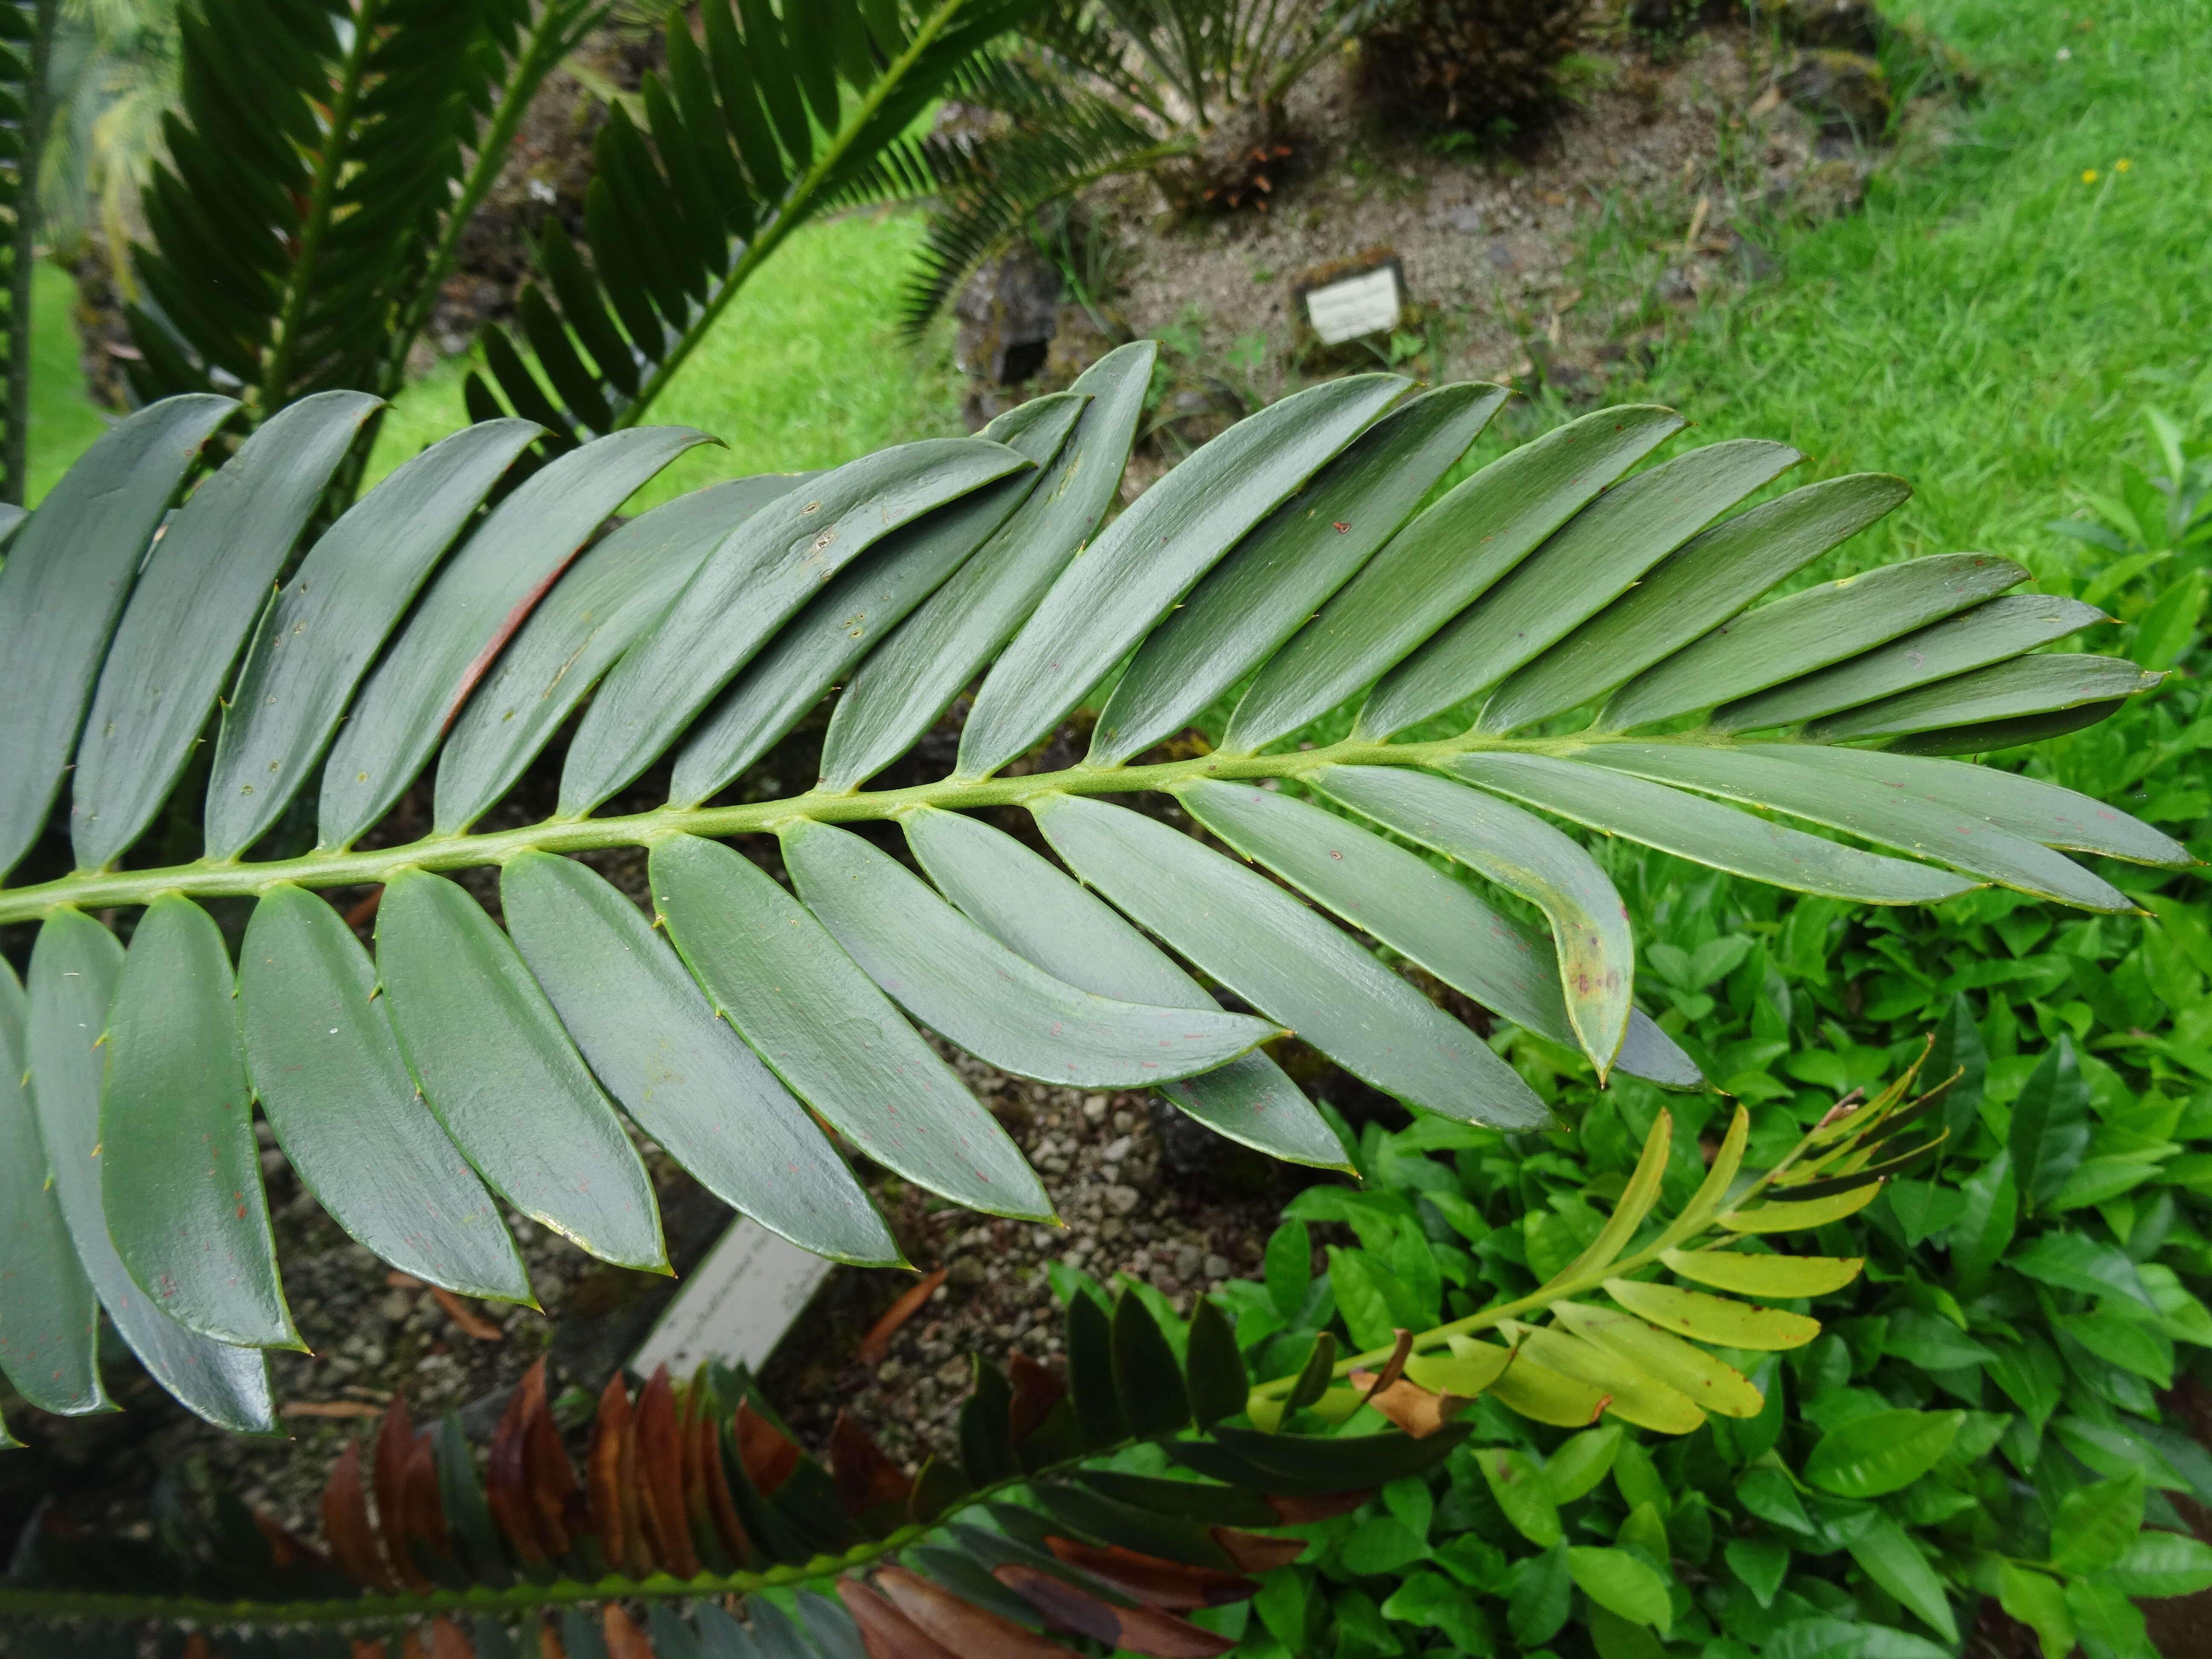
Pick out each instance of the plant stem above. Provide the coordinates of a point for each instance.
(210, 878)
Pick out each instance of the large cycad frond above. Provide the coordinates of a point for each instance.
(1289, 568)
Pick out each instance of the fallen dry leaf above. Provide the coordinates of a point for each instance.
(472, 1323)
(330, 1409)
(876, 1343)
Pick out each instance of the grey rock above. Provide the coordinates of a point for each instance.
(1466, 220)
(1007, 315)
(1216, 1266)
(1122, 1200)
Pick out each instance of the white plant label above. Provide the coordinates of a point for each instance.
(736, 1305)
(1366, 304)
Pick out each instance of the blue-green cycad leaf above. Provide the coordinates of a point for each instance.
(711, 635)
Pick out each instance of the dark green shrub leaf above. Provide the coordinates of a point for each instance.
(2049, 1126)
(1624, 1583)
(1883, 1451)
(1543, 1595)
(2162, 1564)
(2108, 1625)
(2095, 1524)
(1761, 1564)
(1892, 1560)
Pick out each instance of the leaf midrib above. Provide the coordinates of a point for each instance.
(236, 879)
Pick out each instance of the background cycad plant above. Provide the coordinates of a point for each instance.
(1288, 568)
(1188, 91)
(327, 156)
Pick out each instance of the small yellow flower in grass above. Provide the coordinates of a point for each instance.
(2122, 165)
(2088, 175)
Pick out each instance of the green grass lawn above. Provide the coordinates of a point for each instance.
(64, 421)
(1991, 324)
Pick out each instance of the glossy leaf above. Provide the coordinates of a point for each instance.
(2095, 1524)
(1107, 601)
(1525, 856)
(2162, 1564)
(1988, 633)
(1250, 935)
(907, 682)
(2051, 1127)
(484, 593)
(1713, 1319)
(1689, 826)
(489, 1055)
(1770, 775)
(49, 1317)
(1709, 581)
(1287, 567)
(327, 1069)
(1624, 1584)
(201, 587)
(652, 1039)
(68, 572)
(1519, 1487)
(1039, 913)
(74, 969)
(776, 974)
(1437, 565)
(1810, 629)
(748, 587)
(318, 638)
(1888, 1555)
(1596, 556)
(1881, 1452)
(178, 1162)
(616, 591)
(959, 981)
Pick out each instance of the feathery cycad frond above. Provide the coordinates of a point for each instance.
(765, 121)
(1290, 567)
(1104, 88)
(26, 34)
(318, 171)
